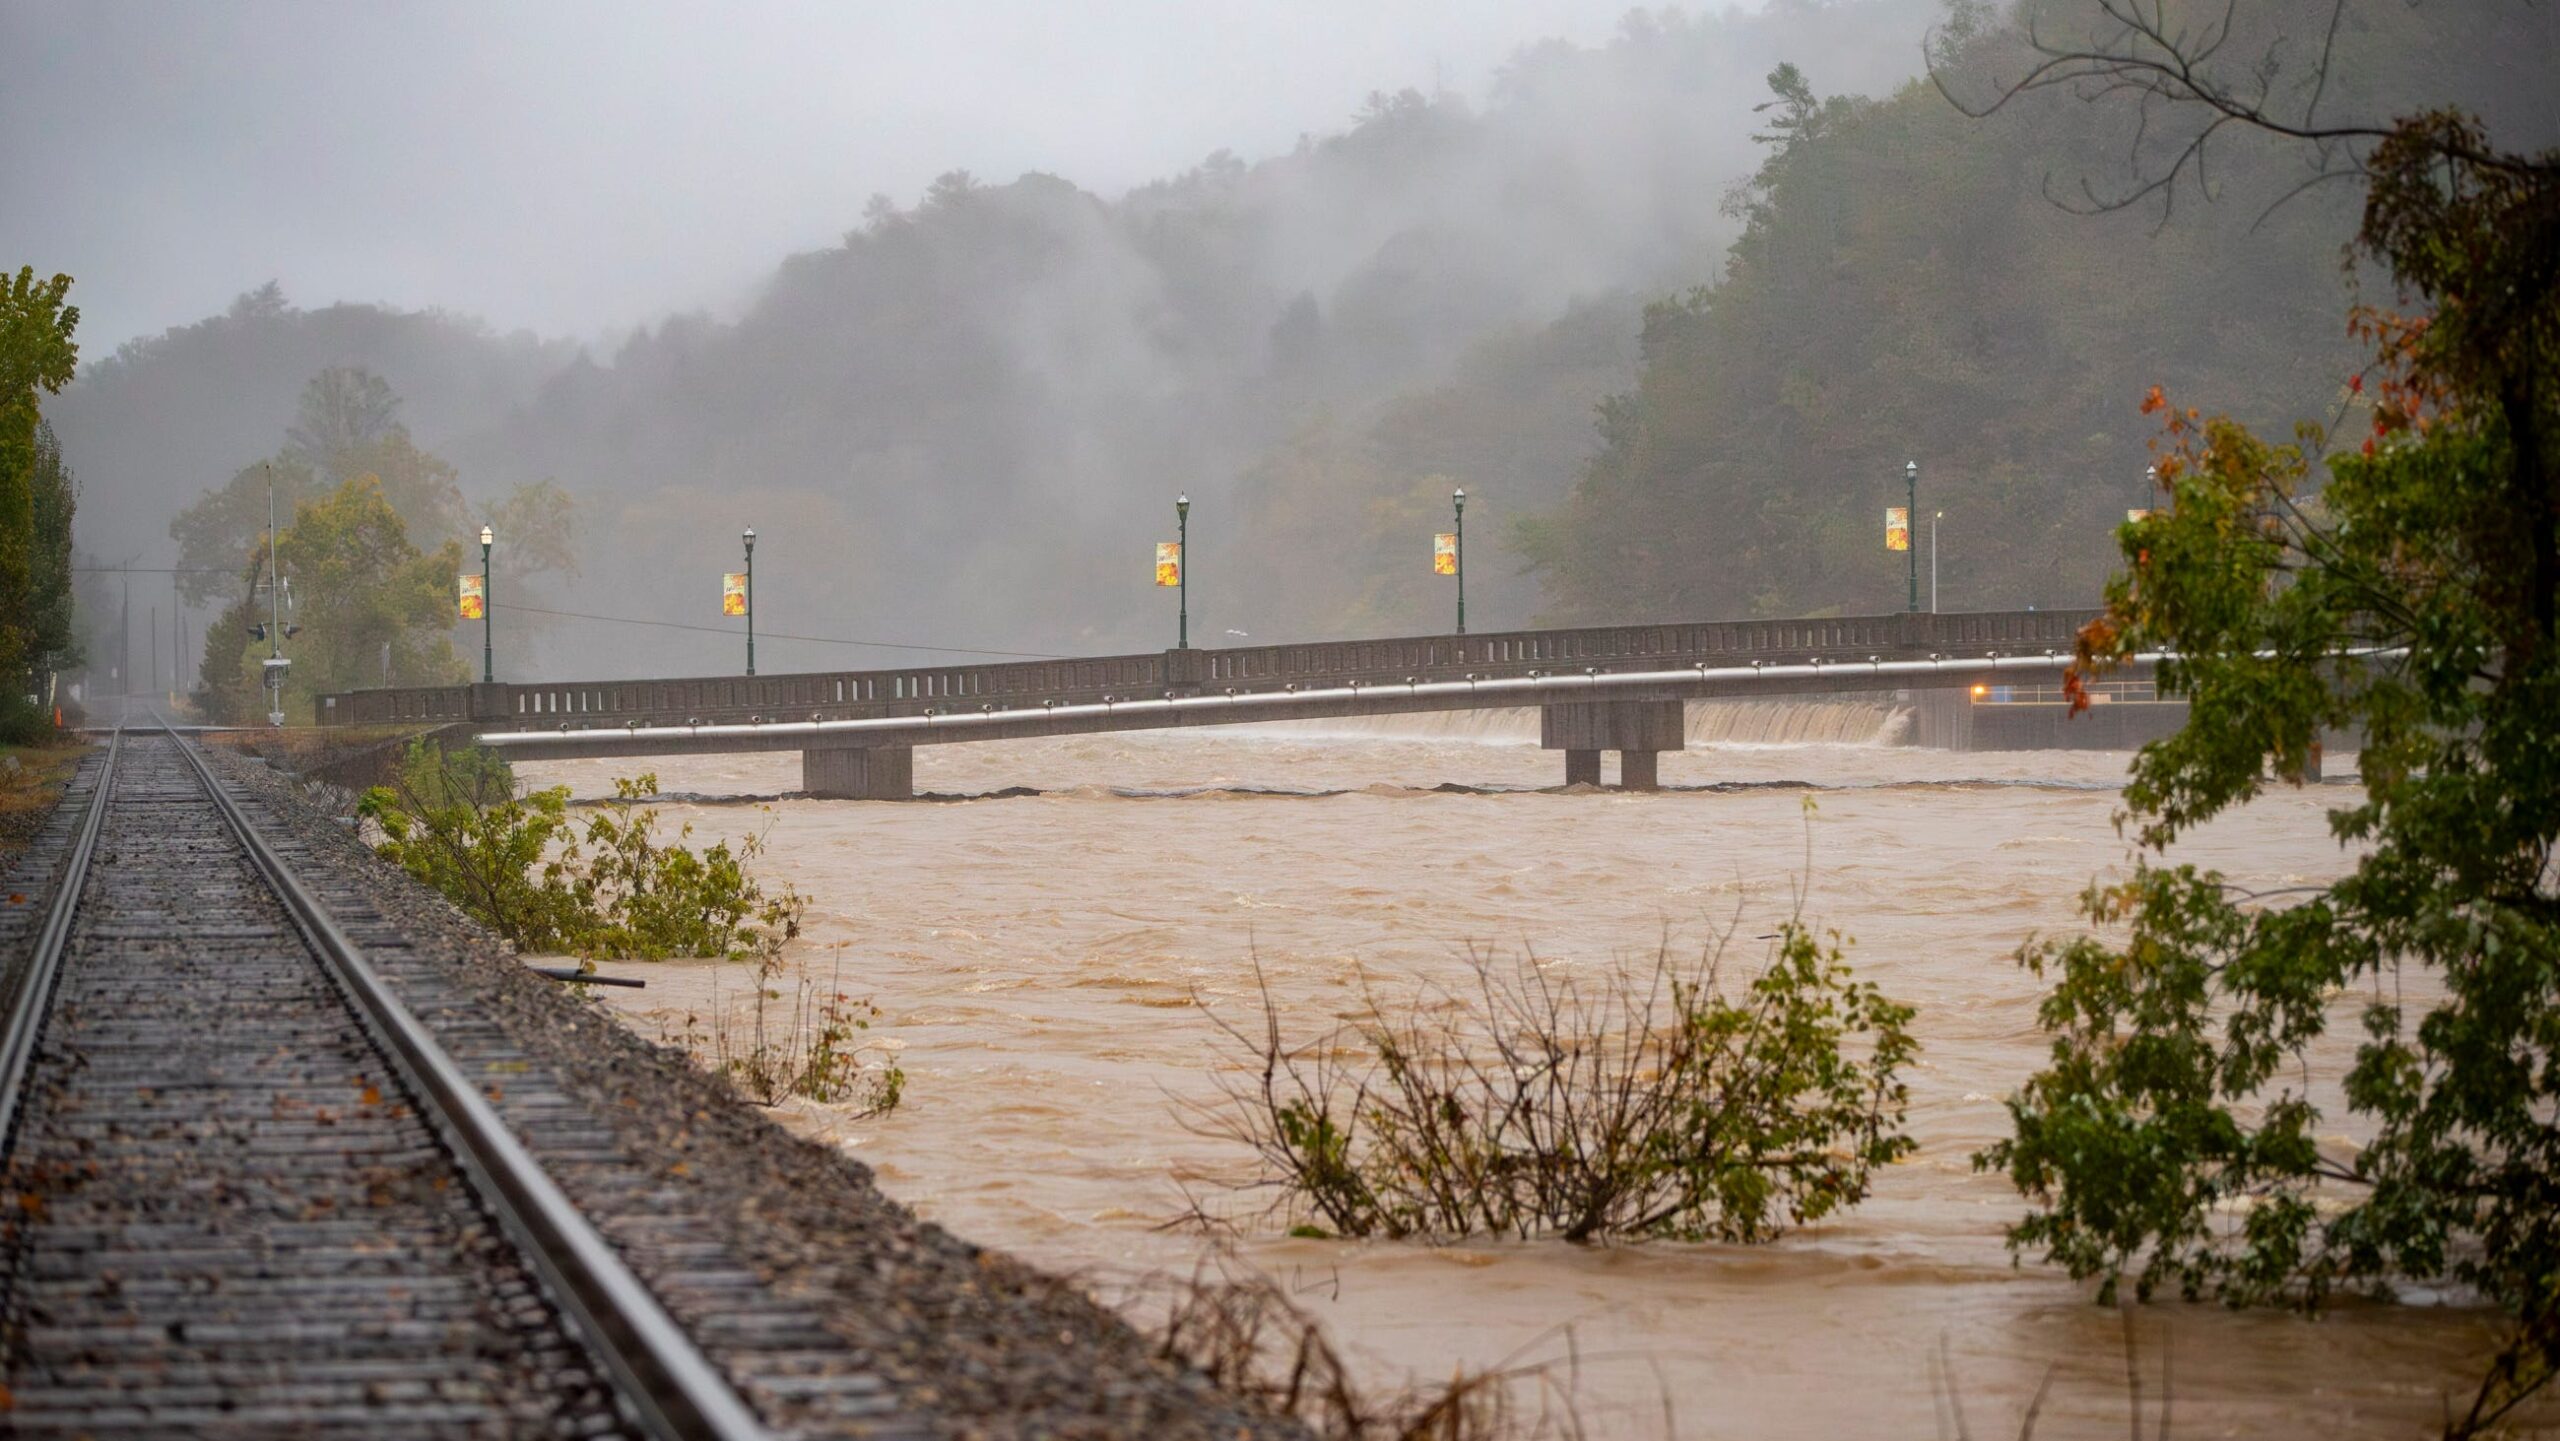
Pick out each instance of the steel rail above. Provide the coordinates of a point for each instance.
(676, 1390)
(32, 996)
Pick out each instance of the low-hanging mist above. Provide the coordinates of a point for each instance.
(966, 424)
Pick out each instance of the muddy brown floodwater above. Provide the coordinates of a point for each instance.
(1037, 958)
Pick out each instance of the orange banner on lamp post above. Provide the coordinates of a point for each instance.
(1168, 562)
(733, 592)
(1444, 553)
(1897, 528)
(475, 597)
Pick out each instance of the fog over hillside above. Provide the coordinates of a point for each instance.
(965, 423)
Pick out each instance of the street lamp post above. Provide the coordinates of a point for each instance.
(1182, 575)
(1458, 501)
(749, 536)
(1911, 512)
(488, 653)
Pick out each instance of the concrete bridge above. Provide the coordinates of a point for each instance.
(1603, 688)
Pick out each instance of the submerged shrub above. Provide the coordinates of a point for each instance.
(457, 821)
(651, 898)
(516, 862)
(1242, 1329)
(817, 1052)
(1535, 1104)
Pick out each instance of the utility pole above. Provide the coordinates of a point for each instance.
(750, 538)
(1182, 553)
(1934, 517)
(275, 612)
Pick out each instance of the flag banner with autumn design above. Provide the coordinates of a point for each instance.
(1897, 528)
(733, 592)
(1168, 562)
(475, 596)
(1444, 553)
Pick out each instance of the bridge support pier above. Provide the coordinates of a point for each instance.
(859, 773)
(1638, 730)
(1941, 719)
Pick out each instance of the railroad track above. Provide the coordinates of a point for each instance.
(267, 1173)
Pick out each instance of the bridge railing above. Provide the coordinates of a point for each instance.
(1019, 684)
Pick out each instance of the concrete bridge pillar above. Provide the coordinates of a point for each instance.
(1941, 718)
(859, 773)
(1638, 730)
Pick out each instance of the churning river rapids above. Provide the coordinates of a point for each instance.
(1040, 949)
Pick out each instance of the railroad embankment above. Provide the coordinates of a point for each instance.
(970, 1340)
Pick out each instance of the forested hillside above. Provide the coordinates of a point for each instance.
(1674, 331)
(968, 421)
(1919, 285)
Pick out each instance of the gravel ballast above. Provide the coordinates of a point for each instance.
(970, 1342)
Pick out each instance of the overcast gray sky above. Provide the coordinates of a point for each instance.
(578, 167)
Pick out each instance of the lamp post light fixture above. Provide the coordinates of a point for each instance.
(1911, 512)
(1182, 577)
(488, 654)
(1458, 504)
(749, 536)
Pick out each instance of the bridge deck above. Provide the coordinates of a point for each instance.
(1350, 677)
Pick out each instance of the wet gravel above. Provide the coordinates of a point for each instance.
(226, 1220)
(965, 1341)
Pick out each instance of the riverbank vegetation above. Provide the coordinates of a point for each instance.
(612, 885)
(2394, 574)
(1638, 1100)
(609, 884)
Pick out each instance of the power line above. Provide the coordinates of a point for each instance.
(775, 635)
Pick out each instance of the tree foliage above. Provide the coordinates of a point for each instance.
(2411, 599)
(37, 357)
(458, 821)
(363, 597)
(1906, 287)
(347, 429)
(368, 588)
(610, 886)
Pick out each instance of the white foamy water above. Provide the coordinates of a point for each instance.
(1041, 959)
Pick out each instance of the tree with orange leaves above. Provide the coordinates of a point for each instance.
(2403, 586)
